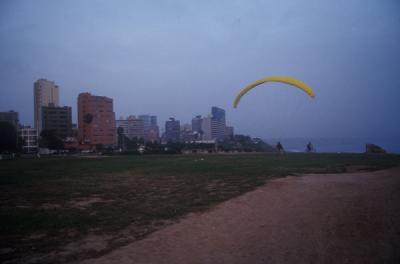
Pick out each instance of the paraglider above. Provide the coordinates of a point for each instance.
(282, 79)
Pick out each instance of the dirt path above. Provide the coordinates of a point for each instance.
(332, 218)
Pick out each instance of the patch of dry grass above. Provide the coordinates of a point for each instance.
(60, 210)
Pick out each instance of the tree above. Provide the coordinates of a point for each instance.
(173, 148)
(8, 137)
(100, 147)
(121, 138)
(49, 139)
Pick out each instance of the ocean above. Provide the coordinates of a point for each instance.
(337, 145)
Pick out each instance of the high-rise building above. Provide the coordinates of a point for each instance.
(10, 117)
(96, 120)
(172, 130)
(45, 92)
(29, 139)
(196, 124)
(57, 119)
(132, 127)
(229, 131)
(151, 129)
(218, 113)
(206, 128)
(218, 123)
(187, 134)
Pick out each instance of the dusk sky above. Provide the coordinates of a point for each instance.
(179, 58)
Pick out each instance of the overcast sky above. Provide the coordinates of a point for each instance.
(179, 58)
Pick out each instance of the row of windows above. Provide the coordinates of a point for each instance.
(56, 117)
(28, 132)
(100, 100)
(31, 138)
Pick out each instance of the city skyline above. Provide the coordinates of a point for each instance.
(178, 58)
(54, 101)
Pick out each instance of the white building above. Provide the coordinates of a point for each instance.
(206, 128)
(45, 93)
(133, 127)
(29, 138)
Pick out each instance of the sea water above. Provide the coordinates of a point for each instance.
(337, 145)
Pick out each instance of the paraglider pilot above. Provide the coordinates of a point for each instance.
(279, 147)
(310, 147)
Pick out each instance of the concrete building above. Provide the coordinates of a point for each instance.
(151, 129)
(58, 119)
(229, 131)
(96, 120)
(29, 139)
(172, 130)
(187, 134)
(45, 92)
(196, 124)
(206, 128)
(186, 127)
(132, 127)
(10, 117)
(218, 123)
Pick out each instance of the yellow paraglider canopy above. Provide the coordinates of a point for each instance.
(282, 79)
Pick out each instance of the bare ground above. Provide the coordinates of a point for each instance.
(330, 218)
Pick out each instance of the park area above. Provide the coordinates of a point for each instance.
(70, 209)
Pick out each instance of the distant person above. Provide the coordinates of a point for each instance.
(309, 148)
(279, 147)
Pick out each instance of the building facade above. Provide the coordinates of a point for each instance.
(187, 134)
(10, 117)
(206, 132)
(218, 123)
(45, 92)
(132, 127)
(29, 139)
(196, 124)
(172, 130)
(151, 129)
(96, 120)
(57, 119)
(229, 132)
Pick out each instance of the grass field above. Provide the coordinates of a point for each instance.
(66, 209)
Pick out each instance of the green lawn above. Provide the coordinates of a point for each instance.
(46, 204)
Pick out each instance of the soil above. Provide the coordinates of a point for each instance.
(325, 218)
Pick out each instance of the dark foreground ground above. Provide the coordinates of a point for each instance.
(330, 218)
(60, 210)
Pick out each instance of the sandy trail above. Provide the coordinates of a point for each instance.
(331, 218)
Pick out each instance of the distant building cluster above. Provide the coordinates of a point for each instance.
(97, 126)
(207, 129)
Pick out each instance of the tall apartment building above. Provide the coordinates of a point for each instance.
(96, 120)
(57, 119)
(10, 117)
(132, 127)
(172, 130)
(151, 129)
(218, 123)
(45, 92)
(206, 128)
(196, 124)
(29, 138)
